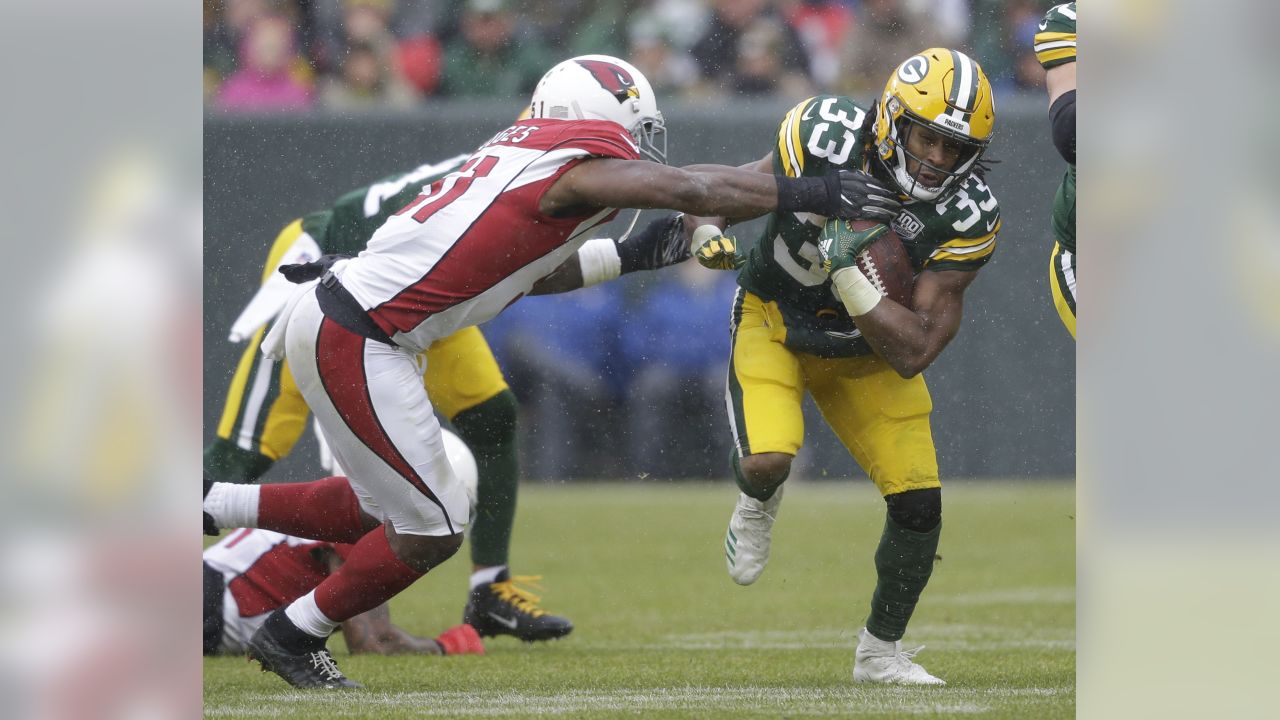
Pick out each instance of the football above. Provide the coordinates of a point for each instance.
(886, 265)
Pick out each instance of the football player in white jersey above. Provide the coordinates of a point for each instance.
(471, 244)
(250, 573)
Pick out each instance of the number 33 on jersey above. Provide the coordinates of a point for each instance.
(828, 132)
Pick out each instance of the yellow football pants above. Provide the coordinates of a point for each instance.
(265, 412)
(882, 419)
(1062, 282)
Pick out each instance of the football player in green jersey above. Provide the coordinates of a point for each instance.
(265, 414)
(1055, 47)
(859, 354)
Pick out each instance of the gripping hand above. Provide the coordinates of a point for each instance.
(839, 244)
(715, 250)
(862, 196)
(659, 244)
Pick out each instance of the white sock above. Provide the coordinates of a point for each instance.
(874, 644)
(233, 505)
(486, 575)
(307, 616)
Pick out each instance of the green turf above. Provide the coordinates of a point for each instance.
(662, 632)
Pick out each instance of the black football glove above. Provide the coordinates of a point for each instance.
(846, 194)
(659, 244)
(862, 196)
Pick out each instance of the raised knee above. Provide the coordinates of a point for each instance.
(766, 470)
(918, 510)
(424, 552)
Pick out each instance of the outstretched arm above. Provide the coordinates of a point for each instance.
(661, 243)
(710, 190)
(372, 632)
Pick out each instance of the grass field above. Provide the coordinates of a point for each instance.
(662, 632)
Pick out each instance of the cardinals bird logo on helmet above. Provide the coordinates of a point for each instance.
(600, 87)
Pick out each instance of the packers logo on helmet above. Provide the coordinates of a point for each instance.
(945, 93)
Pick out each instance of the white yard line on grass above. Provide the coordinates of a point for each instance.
(943, 637)
(743, 700)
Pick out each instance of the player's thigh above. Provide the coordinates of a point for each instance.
(880, 417)
(764, 389)
(1062, 283)
(462, 372)
(264, 411)
(373, 408)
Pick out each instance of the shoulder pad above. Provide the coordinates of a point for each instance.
(596, 137)
(818, 133)
(965, 225)
(1055, 42)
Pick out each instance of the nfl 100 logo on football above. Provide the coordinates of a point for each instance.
(907, 226)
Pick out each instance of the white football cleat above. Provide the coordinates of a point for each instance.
(746, 544)
(881, 661)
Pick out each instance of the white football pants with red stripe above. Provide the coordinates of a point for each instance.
(369, 399)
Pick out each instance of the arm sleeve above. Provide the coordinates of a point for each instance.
(1062, 118)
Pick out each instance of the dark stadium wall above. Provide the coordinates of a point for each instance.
(1003, 392)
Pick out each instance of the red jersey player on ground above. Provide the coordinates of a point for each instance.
(471, 244)
(250, 573)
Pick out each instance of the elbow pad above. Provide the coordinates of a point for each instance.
(1062, 119)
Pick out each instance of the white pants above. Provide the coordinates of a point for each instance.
(369, 399)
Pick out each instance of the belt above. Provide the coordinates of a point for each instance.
(337, 303)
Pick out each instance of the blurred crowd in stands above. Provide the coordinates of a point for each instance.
(344, 55)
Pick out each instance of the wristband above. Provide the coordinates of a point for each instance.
(599, 261)
(703, 234)
(818, 195)
(855, 290)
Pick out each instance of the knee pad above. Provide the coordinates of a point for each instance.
(917, 510)
(492, 422)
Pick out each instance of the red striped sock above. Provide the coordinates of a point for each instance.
(371, 575)
(321, 510)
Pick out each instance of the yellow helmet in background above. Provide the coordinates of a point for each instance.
(946, 92)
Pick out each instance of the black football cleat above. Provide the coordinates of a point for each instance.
(210, 528)
(504, 608)
(308, 669)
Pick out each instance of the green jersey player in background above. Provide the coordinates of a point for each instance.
(1055, 47)
(264, 414)
(859, 354)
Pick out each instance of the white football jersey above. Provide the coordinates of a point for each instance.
(263, 570)
(476, 241)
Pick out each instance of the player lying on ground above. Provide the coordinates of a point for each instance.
(250, 573)
(470, 245)
(806, 319)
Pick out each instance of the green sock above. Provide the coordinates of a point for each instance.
(225, 461)
(489, 429)
(748, 489)
(904, 562)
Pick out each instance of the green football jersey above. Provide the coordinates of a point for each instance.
(1055, 45)
(346, 227)
(828, 132)
(1064, 211)
(1055, 41)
